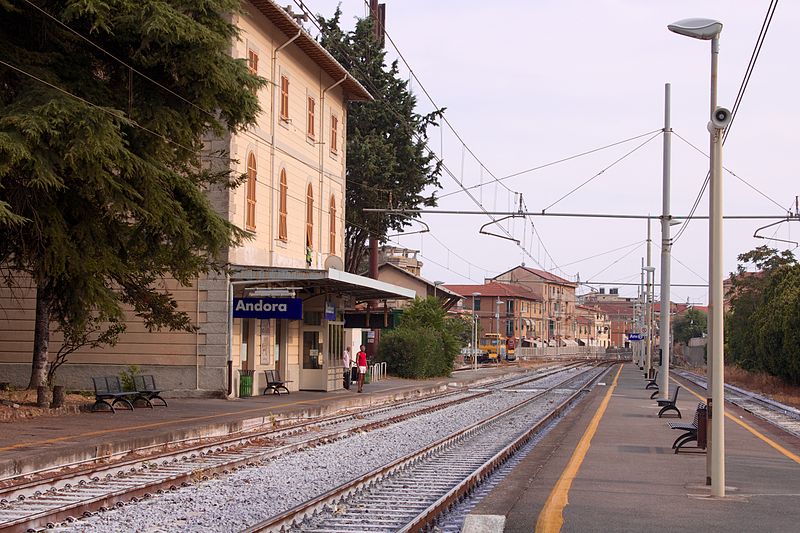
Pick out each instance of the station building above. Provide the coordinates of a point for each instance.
(281, 303)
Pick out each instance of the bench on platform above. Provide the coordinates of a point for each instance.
(147, 391)
(669, 404)
(109, 388)
(694, 432)
(274, 382)
(652, 383)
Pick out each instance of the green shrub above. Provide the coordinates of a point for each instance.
(424, 345)
(126, 377)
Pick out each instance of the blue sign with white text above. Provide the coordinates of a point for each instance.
(264, 308)
(635, 336)
(330, 311)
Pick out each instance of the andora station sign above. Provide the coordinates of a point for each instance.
(264, 308)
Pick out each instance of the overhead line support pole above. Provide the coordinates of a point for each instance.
(665, 344)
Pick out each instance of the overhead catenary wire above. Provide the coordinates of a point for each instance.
(557, 161)
(729, 171)
(629, 153)
(736, 104)
(416, 135)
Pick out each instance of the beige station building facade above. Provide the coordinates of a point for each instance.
(293, 202)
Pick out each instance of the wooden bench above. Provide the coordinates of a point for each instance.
(669, 405)
(146, 390)
(274, 382)
(109, 388)
(694, 432)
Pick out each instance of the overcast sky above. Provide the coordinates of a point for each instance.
(526, 83)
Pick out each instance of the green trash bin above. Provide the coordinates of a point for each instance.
(245, 383)
(368, 375)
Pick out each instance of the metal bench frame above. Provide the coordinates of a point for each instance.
(669, 405)
(109, 388)
(652, 383)
(146, 390)
(274, 382)
(691, 431)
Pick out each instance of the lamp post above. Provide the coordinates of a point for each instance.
(435, 288)
(649, 272)
(474, 334)
(707, 29)
(497, 324)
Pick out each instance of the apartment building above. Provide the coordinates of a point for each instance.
(593, 326)
(513, 311)
(280, 305)
(557, 296)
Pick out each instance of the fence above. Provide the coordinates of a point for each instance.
(378, 371)
(557, 352)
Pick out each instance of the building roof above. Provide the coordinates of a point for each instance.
(442, 288)
(679, 307)
(495, 288)
(547, 276)
(617, 310)
(353, 90)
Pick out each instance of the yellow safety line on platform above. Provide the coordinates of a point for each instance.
(552, 516)
(793, 456)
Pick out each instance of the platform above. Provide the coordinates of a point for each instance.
(32, 444)
(625, 476)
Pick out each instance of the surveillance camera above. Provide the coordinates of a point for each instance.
(721, 118)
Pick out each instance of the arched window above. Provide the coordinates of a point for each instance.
(250, 217)
(332, 224)
(282, 233)
(310, 217)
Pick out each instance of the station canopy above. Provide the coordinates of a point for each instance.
(330, 281)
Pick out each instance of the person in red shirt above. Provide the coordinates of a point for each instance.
(361, 360)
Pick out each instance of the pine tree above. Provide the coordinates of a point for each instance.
(101, 175)
(388, 164)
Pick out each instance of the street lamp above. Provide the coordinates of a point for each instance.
(497, 324)
(649, 273)
(474, 334)
(707, 29)
(435, 287)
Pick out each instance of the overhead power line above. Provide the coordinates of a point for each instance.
(762, 34)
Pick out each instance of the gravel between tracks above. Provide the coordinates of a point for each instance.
(249, 495)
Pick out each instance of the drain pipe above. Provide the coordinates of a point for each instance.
(322, 198)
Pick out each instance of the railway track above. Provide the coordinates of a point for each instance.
(783, 416)
(44, 503)
(410, 493)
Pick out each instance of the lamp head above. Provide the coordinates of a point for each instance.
(697, 28)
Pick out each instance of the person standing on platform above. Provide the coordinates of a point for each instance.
(361, 360)
(347, 361)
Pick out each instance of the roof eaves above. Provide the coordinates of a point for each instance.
(353, 89)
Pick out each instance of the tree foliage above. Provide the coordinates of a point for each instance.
(689, 325)
(388, 164)
(102, 183)
(762, 328)
(426, 342)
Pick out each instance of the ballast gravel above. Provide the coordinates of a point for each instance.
(249, 495)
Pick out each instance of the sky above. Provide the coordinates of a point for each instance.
(527, 83)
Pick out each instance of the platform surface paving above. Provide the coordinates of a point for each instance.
(629, 479)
